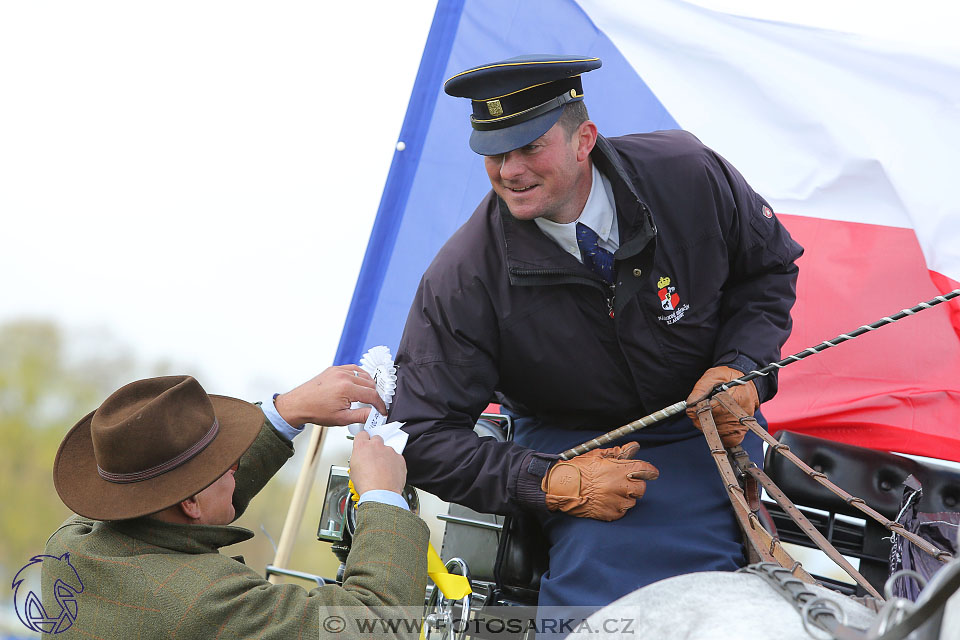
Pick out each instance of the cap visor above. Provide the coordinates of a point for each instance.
(497, 141)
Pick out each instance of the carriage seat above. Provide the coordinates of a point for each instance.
(875, 476)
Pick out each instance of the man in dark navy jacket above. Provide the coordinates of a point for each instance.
(601, 279)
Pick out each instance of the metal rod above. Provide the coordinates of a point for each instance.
(636, 425)
(470, 522)
(843, 337)
(320, 580)
(681, 406)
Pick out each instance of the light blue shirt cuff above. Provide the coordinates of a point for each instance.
(384, 497)
(283, 428)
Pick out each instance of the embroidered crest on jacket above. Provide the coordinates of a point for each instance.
(670, 301)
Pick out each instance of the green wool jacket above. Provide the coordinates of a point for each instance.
(144, 578)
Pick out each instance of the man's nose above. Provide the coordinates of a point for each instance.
(511, 165)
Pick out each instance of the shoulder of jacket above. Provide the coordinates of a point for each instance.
(474, 247)
(214, 574)
(74, 525)
(671, 144)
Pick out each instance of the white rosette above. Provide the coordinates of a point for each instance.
(378, 362)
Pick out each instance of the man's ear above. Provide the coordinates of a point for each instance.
(586, 139)
(191, 508)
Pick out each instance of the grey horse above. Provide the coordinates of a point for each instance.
(746, 606)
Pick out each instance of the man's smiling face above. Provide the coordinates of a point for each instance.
(549, 178)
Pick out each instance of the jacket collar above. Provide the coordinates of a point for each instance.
(529, 250)
(185, 538)
(637, 228)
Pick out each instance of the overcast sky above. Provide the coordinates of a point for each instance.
(199, 178)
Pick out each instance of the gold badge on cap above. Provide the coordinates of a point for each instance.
(494, 107)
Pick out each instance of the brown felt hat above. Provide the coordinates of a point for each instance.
(151, 444)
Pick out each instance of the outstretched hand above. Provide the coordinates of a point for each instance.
(325, 399)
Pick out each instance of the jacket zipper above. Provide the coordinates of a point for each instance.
(610, 295)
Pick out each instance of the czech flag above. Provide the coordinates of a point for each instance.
(851, 139)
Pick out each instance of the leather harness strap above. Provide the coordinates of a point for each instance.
(858, 503)
(751, 487)
(767, 547)
(808, 528)
(752, 471)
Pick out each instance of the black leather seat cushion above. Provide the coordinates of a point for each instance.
(875, 476)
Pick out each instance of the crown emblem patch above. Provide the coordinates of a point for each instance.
(669, 298)
(670, 301)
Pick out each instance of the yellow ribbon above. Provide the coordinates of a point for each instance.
(452, 586)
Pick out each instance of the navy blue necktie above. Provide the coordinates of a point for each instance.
(594, 256)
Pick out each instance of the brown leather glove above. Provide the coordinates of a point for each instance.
(600, 484)
(730, 429)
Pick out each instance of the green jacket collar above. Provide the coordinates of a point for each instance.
(185, 538)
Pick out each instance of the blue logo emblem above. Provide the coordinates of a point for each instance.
(65, 589)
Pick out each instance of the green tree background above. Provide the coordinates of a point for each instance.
(49, 380)
(42, 394)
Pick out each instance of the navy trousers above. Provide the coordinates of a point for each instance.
(683, 524)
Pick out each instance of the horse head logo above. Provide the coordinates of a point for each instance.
(66, 586)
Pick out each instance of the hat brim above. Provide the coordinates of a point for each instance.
(86, 493)
(493, 142)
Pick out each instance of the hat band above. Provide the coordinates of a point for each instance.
(528, 114)
(153, 472)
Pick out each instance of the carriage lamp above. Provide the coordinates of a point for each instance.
(333, 515)
(338, 518)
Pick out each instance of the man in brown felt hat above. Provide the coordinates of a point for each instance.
(157, 473)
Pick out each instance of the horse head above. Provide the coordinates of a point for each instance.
(66, 572)
(66, 585)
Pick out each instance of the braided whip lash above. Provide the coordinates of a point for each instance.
(681, 406)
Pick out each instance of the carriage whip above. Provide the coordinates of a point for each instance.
(681, 406)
